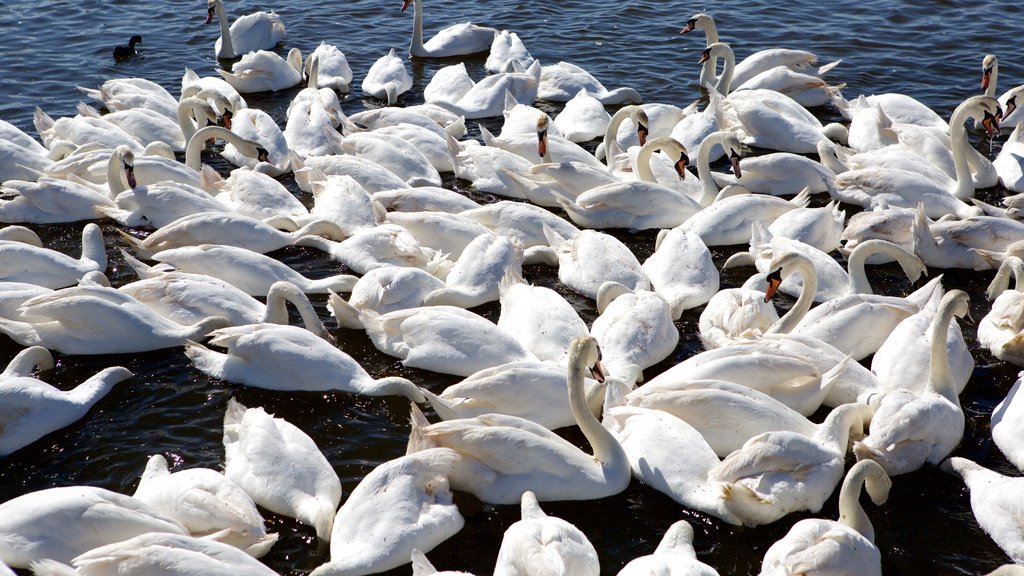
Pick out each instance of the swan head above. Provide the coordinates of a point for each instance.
(585, 353)
(542, 135)
(774, 281)
(714, 50)
(983, 109)
(127, 164)
(211, 9)
(1011, 102)
(988, 65)
(699, 21)
(405, 4)
(734, 159)
(642, 122)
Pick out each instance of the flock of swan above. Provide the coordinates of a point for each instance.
(725, 432)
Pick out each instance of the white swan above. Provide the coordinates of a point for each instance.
(69, 133)
(562, 81)
(254, 125)
(253, 273)
(976, 242)
(583, 118)
(504, 456)
(227, 100)
(423, 198)
(1007, 424)
(820, 227)
(205, 502)
(401, 506)
(475, 278)
(507, 51)
(540, 319)
(264, 71)
(421, 566)
(843, 546)
(521, 221)
(279, 357)
(1009, 163)
(592, 258)
(781, 173)
(384, 245)
(908, 430)
(394, 153)
(635, 328)
(149, 127)
(681, 270)
(48, 200)
(256, 31)
(1000, 330)
(728, 221)
(31, 408)
(280, 467)
(456, 40)
(443, 339)
(21, 262)
(158, 552)
(734, 314)
(334, 71)
(542, 545)
(780, 472)
(1012, 115)
(996, 503)
(383, 289)
(387, 78)
(61, 523)
(674, 556)
(491, 96)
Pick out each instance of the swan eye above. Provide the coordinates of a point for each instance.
(262, 155)
(774, 280)
(705, 56)
(681, 165)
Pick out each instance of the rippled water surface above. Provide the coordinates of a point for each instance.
(931, 51)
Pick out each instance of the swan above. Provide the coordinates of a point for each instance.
(903, 361)
(531, 390)
(540, 146)
(592, 258)
(781, 174)
(543, 462)
(428, 143)
(383, 289)
(681, 270)
(520, 221)
(72, 132)
(310, 127)
(264, 71)
(540, 319)
(456, 40)
(1007, 102)
(421, 566)
(257, 195)
(399, 507)
(542, 545)
(149, 127)
(249, 33)
(475, 278)
(692, 129)
(49, 200)
(635, 328)
(449, 84)
(204, 501)
(384, 245)
(779, 472)
(894, 106)
(387, 78)
(61, 523)
(159, 204)
(227, 100)
(583, 118)
(996, 503)
(808, 90)
(427, 115)
(21, 160)
(820, 227)
(334, 71)
(280, 467)
(1009, 163)
(489, 97)
(734, 314)
(21, 262)
(843, 546)
(255, 125)
(448, 233)
(976, 242)
(32, 408)
(158, 552)
(125, 93)
(867, 187)
(562, 81)
(370, 175)
(755, 63)
(1007, 423)
(1000, 329)
(243, 146)
(507, 51)
(674, 556)
(669, 455)
(228, 229)
(907, 429)
(423, 198)
(253, 273)
(443, 339)
(280, 357)
(728, 221)
(395, 154)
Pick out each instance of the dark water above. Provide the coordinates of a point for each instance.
(931, 51)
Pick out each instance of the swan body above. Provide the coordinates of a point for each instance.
(49, 200)
(395, 154)
(227, 99)
(819, 227)
(126, 93)
(334, 71)
(781, 174)
(583, 118)
(456, 40)
(681, 271)
(383, 289)
(449, 233)
(32, 408)
(635, 328)
(61, 523)
(562, 81)
(280, 467)
(735, 314)
(263, 71)
(520, 221)
(475, 278)
(387, 78)
(21, 262)
(593, 258)
(1007, 423)
(806, 89)
(277, 357)
(249, 33)
(780, 472)
(975, 243)
(492, 95)
(908, 430)
(995, 501)
(422, 198)
(844, 546)
(432, 146)
(401, 506)
(674, 556)
(542, 545)
(531, 390)
(1009, 163)
(158, 553)
(259, 196)
(75, 131)
(384, 245)
(449, 84)
(255, 125)
(507, 50)
(443, 339)
(728, 221)
(540, 319)
(204, 501)
(253, 273)
(370, 175)
(159, 204)
(504, 456)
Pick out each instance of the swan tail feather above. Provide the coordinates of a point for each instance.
(828, 67)
(319, 513)
(122, 217)
(486, 135)
(418, 440)
(444, 409)
(344, 313)
(141, 269)
(803, 198)
(205, 360)
(87, 111)
(52, 568)
(138, 246)
(42, 121)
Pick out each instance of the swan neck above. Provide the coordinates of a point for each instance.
(728, 69)
(611, 143)
(227, 49)
(398, 386)
(959, 143)
(416, 47)
(643, 158)
(606, 449)
(851, 513)
(189, 117)
(115, 174)
(859, 283)
(940, 379)
(791, 319)
(993, 77)
(841, 421)
(194, 148)
(708, 188)
(92, 390)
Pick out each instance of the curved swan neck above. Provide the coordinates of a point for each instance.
(993, 77)
(115, 172)
(416, 46)
(197, 142)
(797, 264)
(728, 68)
(28, 360)
(606, 447)
(643, 157)
(92, 390)
(1002, 279)
(398, 386)
(611, 144)
(276, 311)
(859, 283)
(708, 188)
(839, 423)
(191, 116)
(958, 142)
(227, 49)
(851, 513)
(940, 379)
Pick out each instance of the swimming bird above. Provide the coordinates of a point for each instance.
(249, 33)
(387, 78)
(22, 262)
(126, 52)
(995, 501)
(542, 545)
(1007, 423)
(456, 40)
(674, 556)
